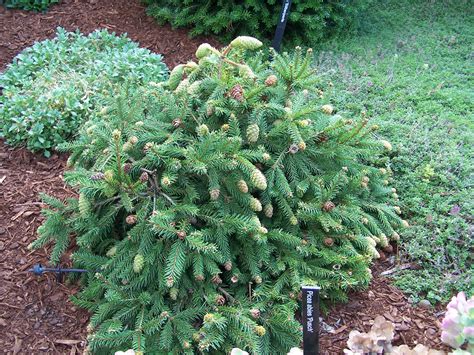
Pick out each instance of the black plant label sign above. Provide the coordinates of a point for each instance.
(280, 30)
(310, 320)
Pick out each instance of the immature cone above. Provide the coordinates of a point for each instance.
(116, 134)
(204, 50)
(302, 145)
(109, 176)
(176, 76)
(266, 156)
(237, 93)
(214, 194)
(327, 109)
(202, 130)
(131, 219)
(271, 80)
(395, 236)
(133, 140)
(257, 279)
(138, 263)
(165, 181)
(405, 224)
(209, 318)
(258, 179)
(303, 123)
(174, 293)
(260, 331)
(252, 133)
(199, 277)
(386, 145)
(293, 221)
(255, 205)
(186, 345)
(243, 187)
(383, 240)
(268, 210)
(246, 42)
(328, 206)
(111, 252)
(84, 205)
(397, 209)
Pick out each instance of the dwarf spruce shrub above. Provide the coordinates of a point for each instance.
(51, 88)
(206, 201)
(310, 21)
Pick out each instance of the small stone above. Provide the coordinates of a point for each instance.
(424, 304)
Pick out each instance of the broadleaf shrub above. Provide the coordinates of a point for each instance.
(309, 21)
(36, 5)
(51, 88)
(206, 201)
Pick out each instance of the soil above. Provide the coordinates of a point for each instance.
(36, 316)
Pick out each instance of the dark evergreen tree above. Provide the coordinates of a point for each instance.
(208, 200)
(310, 21)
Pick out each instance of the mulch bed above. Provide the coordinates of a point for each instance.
(20, 29)
(36, 316)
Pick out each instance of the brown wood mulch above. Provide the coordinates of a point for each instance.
(36, 316)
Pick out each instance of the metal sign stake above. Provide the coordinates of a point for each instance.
(280, 30)
(310, 320)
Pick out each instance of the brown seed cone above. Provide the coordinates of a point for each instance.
(144, 177)
(98, 176)
(228, 265)
(388, 249)
(220, 300)
(328, 242)
(214, 194)
(271, 80)
(127, 167)
(131, 219)
(237, 93)
(177, 122)
(216, 280)
(181, 234)
(328, 206)
(255, 313)
(199, 278)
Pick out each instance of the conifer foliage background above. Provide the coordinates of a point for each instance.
(310, 21)
(208, 200)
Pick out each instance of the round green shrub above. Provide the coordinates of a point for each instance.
(36, 5)
(206, 201)
(309, 21)
(55, 85)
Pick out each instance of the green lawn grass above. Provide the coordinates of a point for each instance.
(411, 69)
